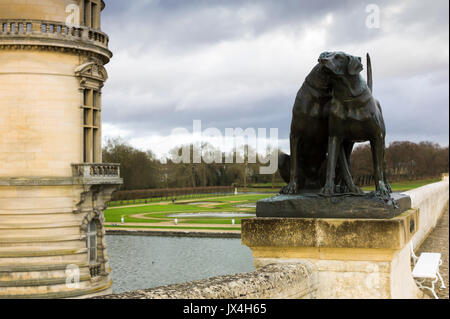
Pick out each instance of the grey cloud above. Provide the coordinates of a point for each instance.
(177, 25)
(414, 95)
(269, 113)
(183, 24)
(423, 17)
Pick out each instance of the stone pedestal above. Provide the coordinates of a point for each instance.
(353, 258)
(313, 205)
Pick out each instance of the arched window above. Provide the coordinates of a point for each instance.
(91, 242)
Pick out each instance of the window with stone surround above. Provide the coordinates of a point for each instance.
(91, 13)
(91, 125)
(95, 268)
(92, 76)
(91, 242)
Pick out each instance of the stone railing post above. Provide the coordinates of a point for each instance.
(35, 27)
(85, 34)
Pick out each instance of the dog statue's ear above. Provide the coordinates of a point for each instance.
(354, 65)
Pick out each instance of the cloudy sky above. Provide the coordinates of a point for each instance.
(240, 63)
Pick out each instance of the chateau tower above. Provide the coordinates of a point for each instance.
(53, 187)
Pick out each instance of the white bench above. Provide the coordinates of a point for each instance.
(426, 267)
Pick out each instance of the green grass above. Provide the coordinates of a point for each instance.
(212, 221)
(265, 185)
(153, 221)
(259, 190)
(239, 198)
(161, 199)
(199, 198)
(159, 212)
(407, 185)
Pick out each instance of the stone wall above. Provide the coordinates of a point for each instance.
(275, 281)
(431, 201)
(41, 125)
(54, 10)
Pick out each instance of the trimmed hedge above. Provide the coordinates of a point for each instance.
(170, 192)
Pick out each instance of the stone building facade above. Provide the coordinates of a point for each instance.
(53, 184)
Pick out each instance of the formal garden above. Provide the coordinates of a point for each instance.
(212, 212)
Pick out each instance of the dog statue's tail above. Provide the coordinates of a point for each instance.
(369, 73)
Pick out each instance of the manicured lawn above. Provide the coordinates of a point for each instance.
(267, 185)
(213, 221)
(260, 190)
(162, 199)
(159, 212)
(168, 227)
(406, 186)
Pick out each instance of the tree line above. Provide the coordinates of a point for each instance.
(404, 160)
(142, 170)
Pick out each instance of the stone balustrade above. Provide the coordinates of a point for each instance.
(86, 174)
(51, 30)
(96, 170)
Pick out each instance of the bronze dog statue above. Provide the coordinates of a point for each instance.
(305, 168)
(354, 116)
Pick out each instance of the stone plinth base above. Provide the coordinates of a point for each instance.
(354, 258)
(338, 206)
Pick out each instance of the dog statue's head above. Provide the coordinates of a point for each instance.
(340, 63)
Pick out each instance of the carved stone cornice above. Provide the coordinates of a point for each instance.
(64, 47)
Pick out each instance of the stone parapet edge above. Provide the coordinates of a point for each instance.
(289, 280)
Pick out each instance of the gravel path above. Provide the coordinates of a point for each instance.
(438, 242)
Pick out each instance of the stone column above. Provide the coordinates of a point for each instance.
(353, 258)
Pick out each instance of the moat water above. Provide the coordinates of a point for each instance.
(142, 262)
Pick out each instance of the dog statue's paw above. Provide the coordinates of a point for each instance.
(327, 190)
(389, 188)
(383, 191)
(356, 190)
(290, 189)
